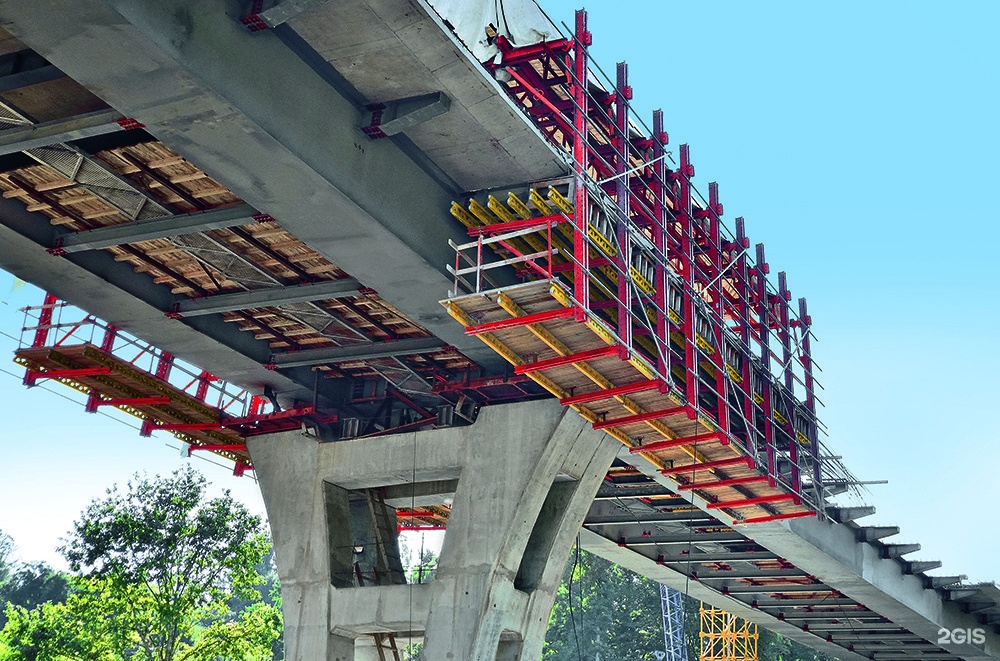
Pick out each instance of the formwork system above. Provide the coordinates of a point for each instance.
(634, 304)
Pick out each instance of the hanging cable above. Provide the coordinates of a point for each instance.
(569, 591)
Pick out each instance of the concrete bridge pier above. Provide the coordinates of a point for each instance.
(520, 481)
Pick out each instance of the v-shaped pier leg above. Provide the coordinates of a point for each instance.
(520, 480)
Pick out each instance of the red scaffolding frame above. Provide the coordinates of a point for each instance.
(722, 390)
(114, 369)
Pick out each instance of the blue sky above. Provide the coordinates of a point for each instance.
(860, 142)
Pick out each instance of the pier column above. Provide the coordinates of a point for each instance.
(520, 481)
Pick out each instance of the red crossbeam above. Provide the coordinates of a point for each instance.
(719, 484)
(268, 417)
(640, 417)
(709, 465)
(248, 421)
(571, 359)
(533, 51)
(71, 373)
(516, 322)
(598, 395)
(515, 225)
(676, 442)
(757, 500)
(777, 517)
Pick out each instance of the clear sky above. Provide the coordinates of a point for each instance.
(860, 142)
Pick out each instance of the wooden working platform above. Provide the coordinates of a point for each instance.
(111, 381)
(534, 327)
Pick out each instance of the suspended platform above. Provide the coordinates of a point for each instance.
(536, 327)
(108, 380)
(114, 369)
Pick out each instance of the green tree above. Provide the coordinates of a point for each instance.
(603, 609)
(269, 594)
(32, 584)
(91, 625)
(158, 565)
(6, 551)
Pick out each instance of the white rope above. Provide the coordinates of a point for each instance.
(635, 169)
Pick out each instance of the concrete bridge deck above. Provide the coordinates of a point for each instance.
(212, 191)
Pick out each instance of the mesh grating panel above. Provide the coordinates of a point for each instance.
(10, 118)
(323, 323)
(231, 265)
(99, 181)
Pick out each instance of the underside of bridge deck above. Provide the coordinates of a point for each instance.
(271, 204)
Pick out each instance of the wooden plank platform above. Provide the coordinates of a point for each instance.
(548, 352)
(124, 380)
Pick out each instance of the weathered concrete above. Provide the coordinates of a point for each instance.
(136, 306)
(828, 550)
(526, 475)
(269, 126)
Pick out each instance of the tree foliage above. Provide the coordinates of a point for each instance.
(603, 609)
(158, 565)
(32, 584)
(6, 551)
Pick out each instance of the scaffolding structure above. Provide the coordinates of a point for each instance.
(633, 304)
(725, 637)
(672, 606)
(114, 369)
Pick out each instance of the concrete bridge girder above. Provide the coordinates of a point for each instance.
(264, 122)
(518, 505)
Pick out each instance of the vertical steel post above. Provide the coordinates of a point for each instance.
(45, 321)
(661, 242)
(805, 325)
(743, 313)
(621, 143)
(107, 344)
(257, 404)
(581, 250)
(41, 337)
(718, 305)
(108, 341)
(164, 365)
(764, 332)
(785, 336)
(204, 379)
(784, 332)
(683, 212)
